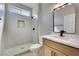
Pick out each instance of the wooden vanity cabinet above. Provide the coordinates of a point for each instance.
(52, 48)
(52, 52)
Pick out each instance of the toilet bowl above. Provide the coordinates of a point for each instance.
(35, 49)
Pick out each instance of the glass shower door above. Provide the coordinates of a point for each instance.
(19, 27)
(2, 14)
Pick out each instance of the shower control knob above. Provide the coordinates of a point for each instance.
(33, 28)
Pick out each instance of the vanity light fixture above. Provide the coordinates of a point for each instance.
(61, 6)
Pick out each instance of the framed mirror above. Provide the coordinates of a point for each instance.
(64, 18)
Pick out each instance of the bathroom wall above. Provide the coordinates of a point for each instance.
(45, 18)
(34, 6)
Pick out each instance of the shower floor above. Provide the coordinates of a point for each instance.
(29, 53)
(16, 50)
(26, 53)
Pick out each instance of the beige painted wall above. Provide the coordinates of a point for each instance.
(45, 18)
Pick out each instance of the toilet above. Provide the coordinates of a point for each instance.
(35, 49)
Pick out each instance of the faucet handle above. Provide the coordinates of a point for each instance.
(61, 32)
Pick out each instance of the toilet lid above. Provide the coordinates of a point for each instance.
(34, 46)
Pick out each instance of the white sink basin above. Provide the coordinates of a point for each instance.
(62, 38)
(71, 40)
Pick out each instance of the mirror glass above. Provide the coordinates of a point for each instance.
(64, 19)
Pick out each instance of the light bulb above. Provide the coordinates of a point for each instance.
(69, 3)
(63, 6)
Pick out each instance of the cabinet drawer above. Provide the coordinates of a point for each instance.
(68, 50)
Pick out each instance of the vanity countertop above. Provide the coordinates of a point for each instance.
(70, 40)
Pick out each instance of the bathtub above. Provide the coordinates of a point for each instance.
(16, 50)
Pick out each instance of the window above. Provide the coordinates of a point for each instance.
(19, 11)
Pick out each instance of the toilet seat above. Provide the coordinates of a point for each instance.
(35, 46)
(35, 49)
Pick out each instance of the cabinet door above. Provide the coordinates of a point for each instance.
(52, 52)
(47, 51)
(57, 53)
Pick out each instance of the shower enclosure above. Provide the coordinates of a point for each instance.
(17, 33)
